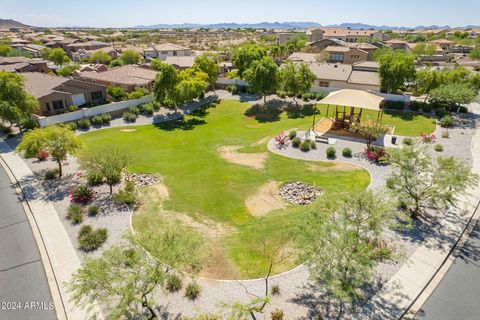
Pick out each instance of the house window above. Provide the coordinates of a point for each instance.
(336, 57)
(48, 106)
(174, 53)
(96, 95)
(323, 83)
(58, 104)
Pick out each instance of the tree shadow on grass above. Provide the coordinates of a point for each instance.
(180, 124)
(265, 113)
(301, 111)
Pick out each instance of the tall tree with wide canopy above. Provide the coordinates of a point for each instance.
(164, 86)
(16, 105)
(57, 141)
(453, 94)
(396, 69)
(296, 78)
(245, 56)
(263, 76)
(208, 63)
(130, 56)
(100, 57)
(57, 55)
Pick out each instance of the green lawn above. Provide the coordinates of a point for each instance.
(204, 186)
(405, 123)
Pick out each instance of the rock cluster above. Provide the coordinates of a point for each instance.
(299, 192)
(142, 179)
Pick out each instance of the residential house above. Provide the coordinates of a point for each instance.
(90, 45)
(346, 55)
(323, 43)
(315, 34)
(180, 62)
(164, 50)
(362, 76)
(352, 35)
(83, 54)
(23, 64)
(34, 49)
(445, 44)
(283, 37)
(128, 77)
(55, 93)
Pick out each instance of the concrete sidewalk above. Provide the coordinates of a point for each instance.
(59, 248)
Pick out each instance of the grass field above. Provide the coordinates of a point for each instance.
(205, 188)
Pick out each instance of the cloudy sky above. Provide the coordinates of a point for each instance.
(127, 13)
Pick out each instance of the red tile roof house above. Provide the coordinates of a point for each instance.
(55, 93)
(23, 64)
(128, 77)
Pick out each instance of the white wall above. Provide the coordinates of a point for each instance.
(89, 112)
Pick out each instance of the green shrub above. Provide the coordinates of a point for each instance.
(81, 194)
(148, 109)
(441, 112)
(276, 314)
(438, 147)
(72, 108)
(71, 125)
(173, 283)
(84, 124)
(193, 290)
(446, 134)
(91, 239)
(275, 290)
(126, 196)
(331, 152)
(427, 108)
(313, 144)
(93, 210)
(129, 117)
(106, 118)
(130, 186)
(416, 105)
(306, 97)
(347, 152)
(51, 174)
(292, 134)
(408, 141)
(75, 213)
(94, 178)
(305, 146)
(134, 110)
(447, 121)
(296, 142)
(29, 124)
(135, 95)
(116, 93)
(281, 94)
(320, 95)
(97, 120)
(233, 89)
(397, 105)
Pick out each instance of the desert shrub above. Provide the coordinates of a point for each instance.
(396, 105)
(134, 110)
(296, 142)
(408, 141)
(94, 178)
(416, 105)
(148, 109)
(129, 117)
(72, 108)
(84, 124)
(29, 124)
(91, 239)
(320, 95)
(173, 283)
(447, 121)
(445, 134)
(438, 147)
(42, 155)
(277, 314)
(81, 194)
(126, 196)
(376, 154)
(281, 94)
(282, 140)
(116, 93)
(72, 126)
(428, 137)
(51, 174)
(427, 108)
(192, 291)
(305, 146)
(106, 118)
(135, 95)
(93, 210)
(347, 152)
(75, 213)
(441, 112)
(275, 290)
(306, 97)
(233, 89)
(313, 144)
(292, 134)
(331, 152)
(97, 120)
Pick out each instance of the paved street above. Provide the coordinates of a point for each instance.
(23, 283)
(457, 295)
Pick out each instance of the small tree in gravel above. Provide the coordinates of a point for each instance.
(370, 131)
(107, 162)
(421, 181)
(57, 141)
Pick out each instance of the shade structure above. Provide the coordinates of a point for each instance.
(354, 98)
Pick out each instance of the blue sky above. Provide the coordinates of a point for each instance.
(120, 13)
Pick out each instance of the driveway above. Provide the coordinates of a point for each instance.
(456, 297)
(24, 291)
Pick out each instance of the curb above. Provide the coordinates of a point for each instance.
(46, 260)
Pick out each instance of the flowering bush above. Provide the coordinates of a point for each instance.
(81, 194)
(42, 155)
(428, 138)
(282, 140)
(376, 154)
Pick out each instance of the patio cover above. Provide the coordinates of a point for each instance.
(354, 98)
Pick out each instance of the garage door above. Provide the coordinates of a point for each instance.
(79, 99)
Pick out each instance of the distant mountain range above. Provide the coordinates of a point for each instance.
(9, 23)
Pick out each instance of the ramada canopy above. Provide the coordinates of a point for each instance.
(354, 98)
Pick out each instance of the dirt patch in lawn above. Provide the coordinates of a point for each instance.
(337, 166)
(265, 199)
(231, 154)
(128, 130)
(218, 265)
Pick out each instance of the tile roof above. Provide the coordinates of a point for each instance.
(126, 75)
(41, 84)
(180, 61)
